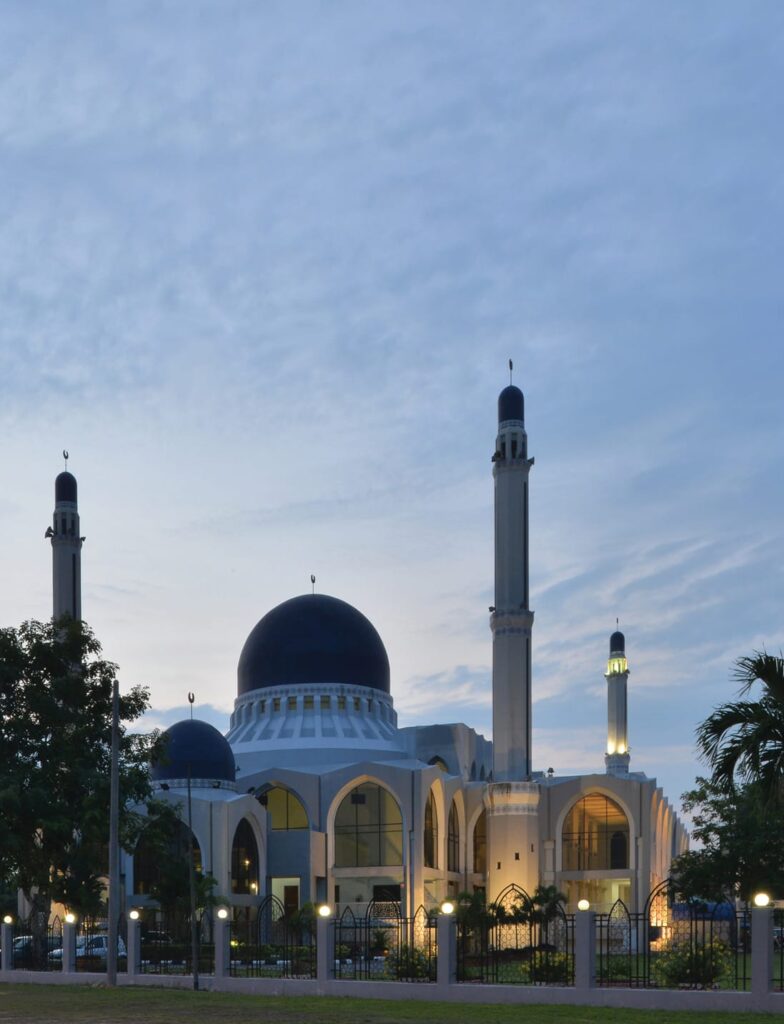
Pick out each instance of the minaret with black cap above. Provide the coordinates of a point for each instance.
(512, 798)
(66, 548)
(511, 618)
(617, 675)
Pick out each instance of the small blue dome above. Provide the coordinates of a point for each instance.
(197, 745)
(617, 643)
(313, 639)
(511, 404)
(65, 488)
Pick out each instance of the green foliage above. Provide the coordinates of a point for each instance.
(700, 966)
(55, 742)
(742, 838)
(743, 741)
(409, 962)
(549, 968)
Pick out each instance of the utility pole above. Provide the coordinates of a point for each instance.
(114, 840)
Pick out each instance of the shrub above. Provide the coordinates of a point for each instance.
(699, 966)
(409, 962)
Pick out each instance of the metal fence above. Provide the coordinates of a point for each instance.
(673, 945)
(266, 942)
(166, 943)
(38, 944)
(778, 950)
(383, 946)
(515, 941)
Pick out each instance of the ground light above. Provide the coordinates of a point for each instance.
(583, 905)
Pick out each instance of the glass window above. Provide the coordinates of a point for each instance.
(161, 865)
(480, 844)
(368, 828)
(595, 836)
(453, 840)
(307, 703)
(285, 809)
(244, 861)
(325, 703)
(431, 832)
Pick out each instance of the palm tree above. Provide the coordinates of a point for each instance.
(744, 739)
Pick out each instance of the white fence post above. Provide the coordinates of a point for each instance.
(761, 950)
(584, 949)
(134, 947)
(446, 966)
(325, 949)
(69, 947)
(7, 944)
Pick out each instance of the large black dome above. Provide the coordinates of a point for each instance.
(313, 639)
(197, 745)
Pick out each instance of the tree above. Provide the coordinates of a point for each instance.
(742, 838)
(744, 740)
(55, 742)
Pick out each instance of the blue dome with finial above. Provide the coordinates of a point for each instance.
(511, 404)
(195, 747)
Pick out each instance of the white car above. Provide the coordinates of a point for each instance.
(93, 946)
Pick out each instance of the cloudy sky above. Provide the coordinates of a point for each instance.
(261, 270)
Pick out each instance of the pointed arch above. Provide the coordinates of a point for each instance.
(159, 862)
(244, 860)
(595, 834)
(430, 832)
(368, 828)
(453, 839)
(286, 812)
(480, 843)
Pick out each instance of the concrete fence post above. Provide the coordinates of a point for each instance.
(7, 946)
(584, 949)
(761, 950)
(446, 967)
(134, 949)
(69, 947)
(325, 949)
(222, 935)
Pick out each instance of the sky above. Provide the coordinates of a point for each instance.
(262, 267)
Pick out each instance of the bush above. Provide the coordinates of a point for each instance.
(700, 966)
(410, 962)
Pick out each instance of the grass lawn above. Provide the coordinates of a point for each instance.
(39, 1004)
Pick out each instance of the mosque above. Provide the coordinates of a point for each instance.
(316, 795)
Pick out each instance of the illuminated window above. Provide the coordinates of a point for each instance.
(286, 811)
(341, 703)
(291, 703)
(431, 833)
(480, 844)
(244, 861)
(368, 828)
(325, 703)
(307, 703)
(595, 836)
(453, 840)
(615, 666)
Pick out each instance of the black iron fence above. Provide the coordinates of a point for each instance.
(515, 941)
(778, 950)
(383, 946)
(38, 944)
(267, 942)
(166, 945)
(674, 945)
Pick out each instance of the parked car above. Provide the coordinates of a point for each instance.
(95, 947)
(24, 952)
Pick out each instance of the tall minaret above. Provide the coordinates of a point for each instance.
(617, 675)
(511, 619)
(66, 549)
(512, 798)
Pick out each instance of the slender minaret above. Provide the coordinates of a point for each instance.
(511, 619)
(66, 549)
(617, 675)
(512, 798)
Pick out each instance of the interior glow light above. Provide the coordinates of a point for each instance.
(761, 899)
(324, 910)
(621, 749)
(610, 748)
(583, 905)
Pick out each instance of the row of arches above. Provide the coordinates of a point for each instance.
(368, 832)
